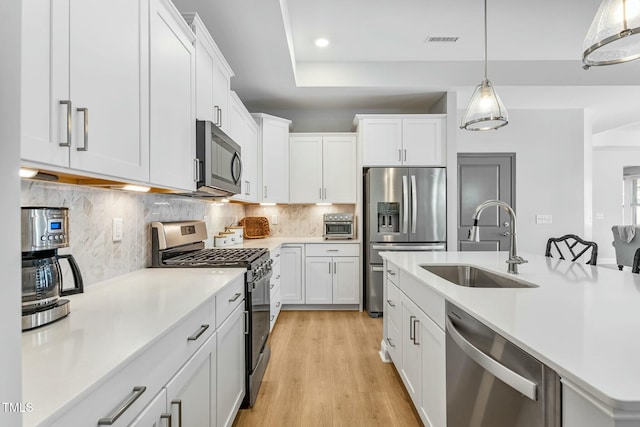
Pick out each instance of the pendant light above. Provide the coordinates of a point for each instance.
(485, 110)
(613, 35)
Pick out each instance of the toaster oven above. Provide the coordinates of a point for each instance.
(339, 226)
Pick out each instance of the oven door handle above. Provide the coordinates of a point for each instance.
(514, 380)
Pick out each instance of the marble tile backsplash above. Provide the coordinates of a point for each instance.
(91, 211)
(297, 220)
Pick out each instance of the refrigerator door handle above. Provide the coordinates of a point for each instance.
(405, 204)
(414, 204)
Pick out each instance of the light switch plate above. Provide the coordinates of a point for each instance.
(544, 219)
(116, 229)
(274, 219)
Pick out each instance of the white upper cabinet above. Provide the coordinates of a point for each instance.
(415, 140)
(322, 168)
(213, 77)
(85, 86)
(172, 107)
(243, 129)
(273, 157)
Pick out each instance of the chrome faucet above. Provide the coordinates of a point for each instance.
(474, 233)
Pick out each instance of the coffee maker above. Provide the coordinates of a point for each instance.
(44, 231)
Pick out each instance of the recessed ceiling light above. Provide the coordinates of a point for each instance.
(321, 42)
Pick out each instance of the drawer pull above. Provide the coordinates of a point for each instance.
(278, 304)
(391, 272)
(167, 417)
(389, 341)
(235, 297)
(390, 303)
(278, 277)
(272, 316)
(272, 285)
(179, 403)
(199, 332)
(126, 404)
(333, 250)
(277, 255)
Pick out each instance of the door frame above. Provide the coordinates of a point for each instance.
(512, 158)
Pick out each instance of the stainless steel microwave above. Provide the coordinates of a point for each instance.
(219, 162)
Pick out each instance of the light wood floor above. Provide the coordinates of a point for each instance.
(325, 371)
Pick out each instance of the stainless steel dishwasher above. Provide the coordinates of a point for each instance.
(493, 383)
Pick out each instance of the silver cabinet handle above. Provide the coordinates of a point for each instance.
(329, 267)
(335, 267)
(415, 336)
(246, 186)
(390, 343)
(272, 316)
(167, 417)
(405, 204)
(391, 272)
(69, 127)
(246, 323)
(249, 186)
(199, 332)
(320, 194)
(390, 303)
(196, 170)
(126, 404)
(324, 197)
(179, 403)
(411, 330)
(265, 192)
(272, 285)
(399, 155)
(85, 147)
(216, 113)
(277, 277)
(278, 304)
(414, 204)
(504, 374)
(235, 297)
(220, 117)
(277, 255)
(405, 155)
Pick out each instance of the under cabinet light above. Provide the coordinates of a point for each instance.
(323, 204)
(138, 188)
(267, 204)
(28, 173)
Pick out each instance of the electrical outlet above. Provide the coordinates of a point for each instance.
(544, 219)
(274, 219)
(116, 229)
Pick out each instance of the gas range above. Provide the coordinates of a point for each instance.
(181, 244)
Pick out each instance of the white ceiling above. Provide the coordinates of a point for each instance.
(378, 58)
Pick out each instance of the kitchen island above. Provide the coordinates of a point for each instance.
(581, 321)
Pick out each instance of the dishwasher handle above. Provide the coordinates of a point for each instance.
(527, 387)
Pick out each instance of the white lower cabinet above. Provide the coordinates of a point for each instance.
(292, 274)
(230, 382)
(275, 297)
(332, 273)
(416, 345)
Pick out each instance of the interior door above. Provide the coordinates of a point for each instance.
(485, 176)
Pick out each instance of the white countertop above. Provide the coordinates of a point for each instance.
(272, 243)
(582, 321)
(110, 324)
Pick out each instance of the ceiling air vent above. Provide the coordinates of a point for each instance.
(441, 39)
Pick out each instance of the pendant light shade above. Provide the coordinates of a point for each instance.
(485, 110)
(614, 35)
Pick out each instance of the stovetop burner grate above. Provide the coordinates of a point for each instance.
(218, 257)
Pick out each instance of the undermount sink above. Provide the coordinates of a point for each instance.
(474, 277)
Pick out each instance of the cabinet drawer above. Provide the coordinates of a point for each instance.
(276, 306)
(228, 299)
(333, 249)
(151, 370)
(394, 343)
(431, 302)
(393, 273)
(392, 305)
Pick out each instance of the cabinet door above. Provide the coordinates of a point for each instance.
(190, 392)
(339, 169)
(346, 280)
(154, 414)
(172, 62)
(275, 161)
(45, 82)
(423, 142)
(382, 142)
(433, 404)
(108, 75)
(292, 280)
(250, 182)
(230, 387)
(318, 280)
(305, 171)
(221, 88)
(204, 77)
(411, 366)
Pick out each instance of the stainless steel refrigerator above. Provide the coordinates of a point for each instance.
(405, 210)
